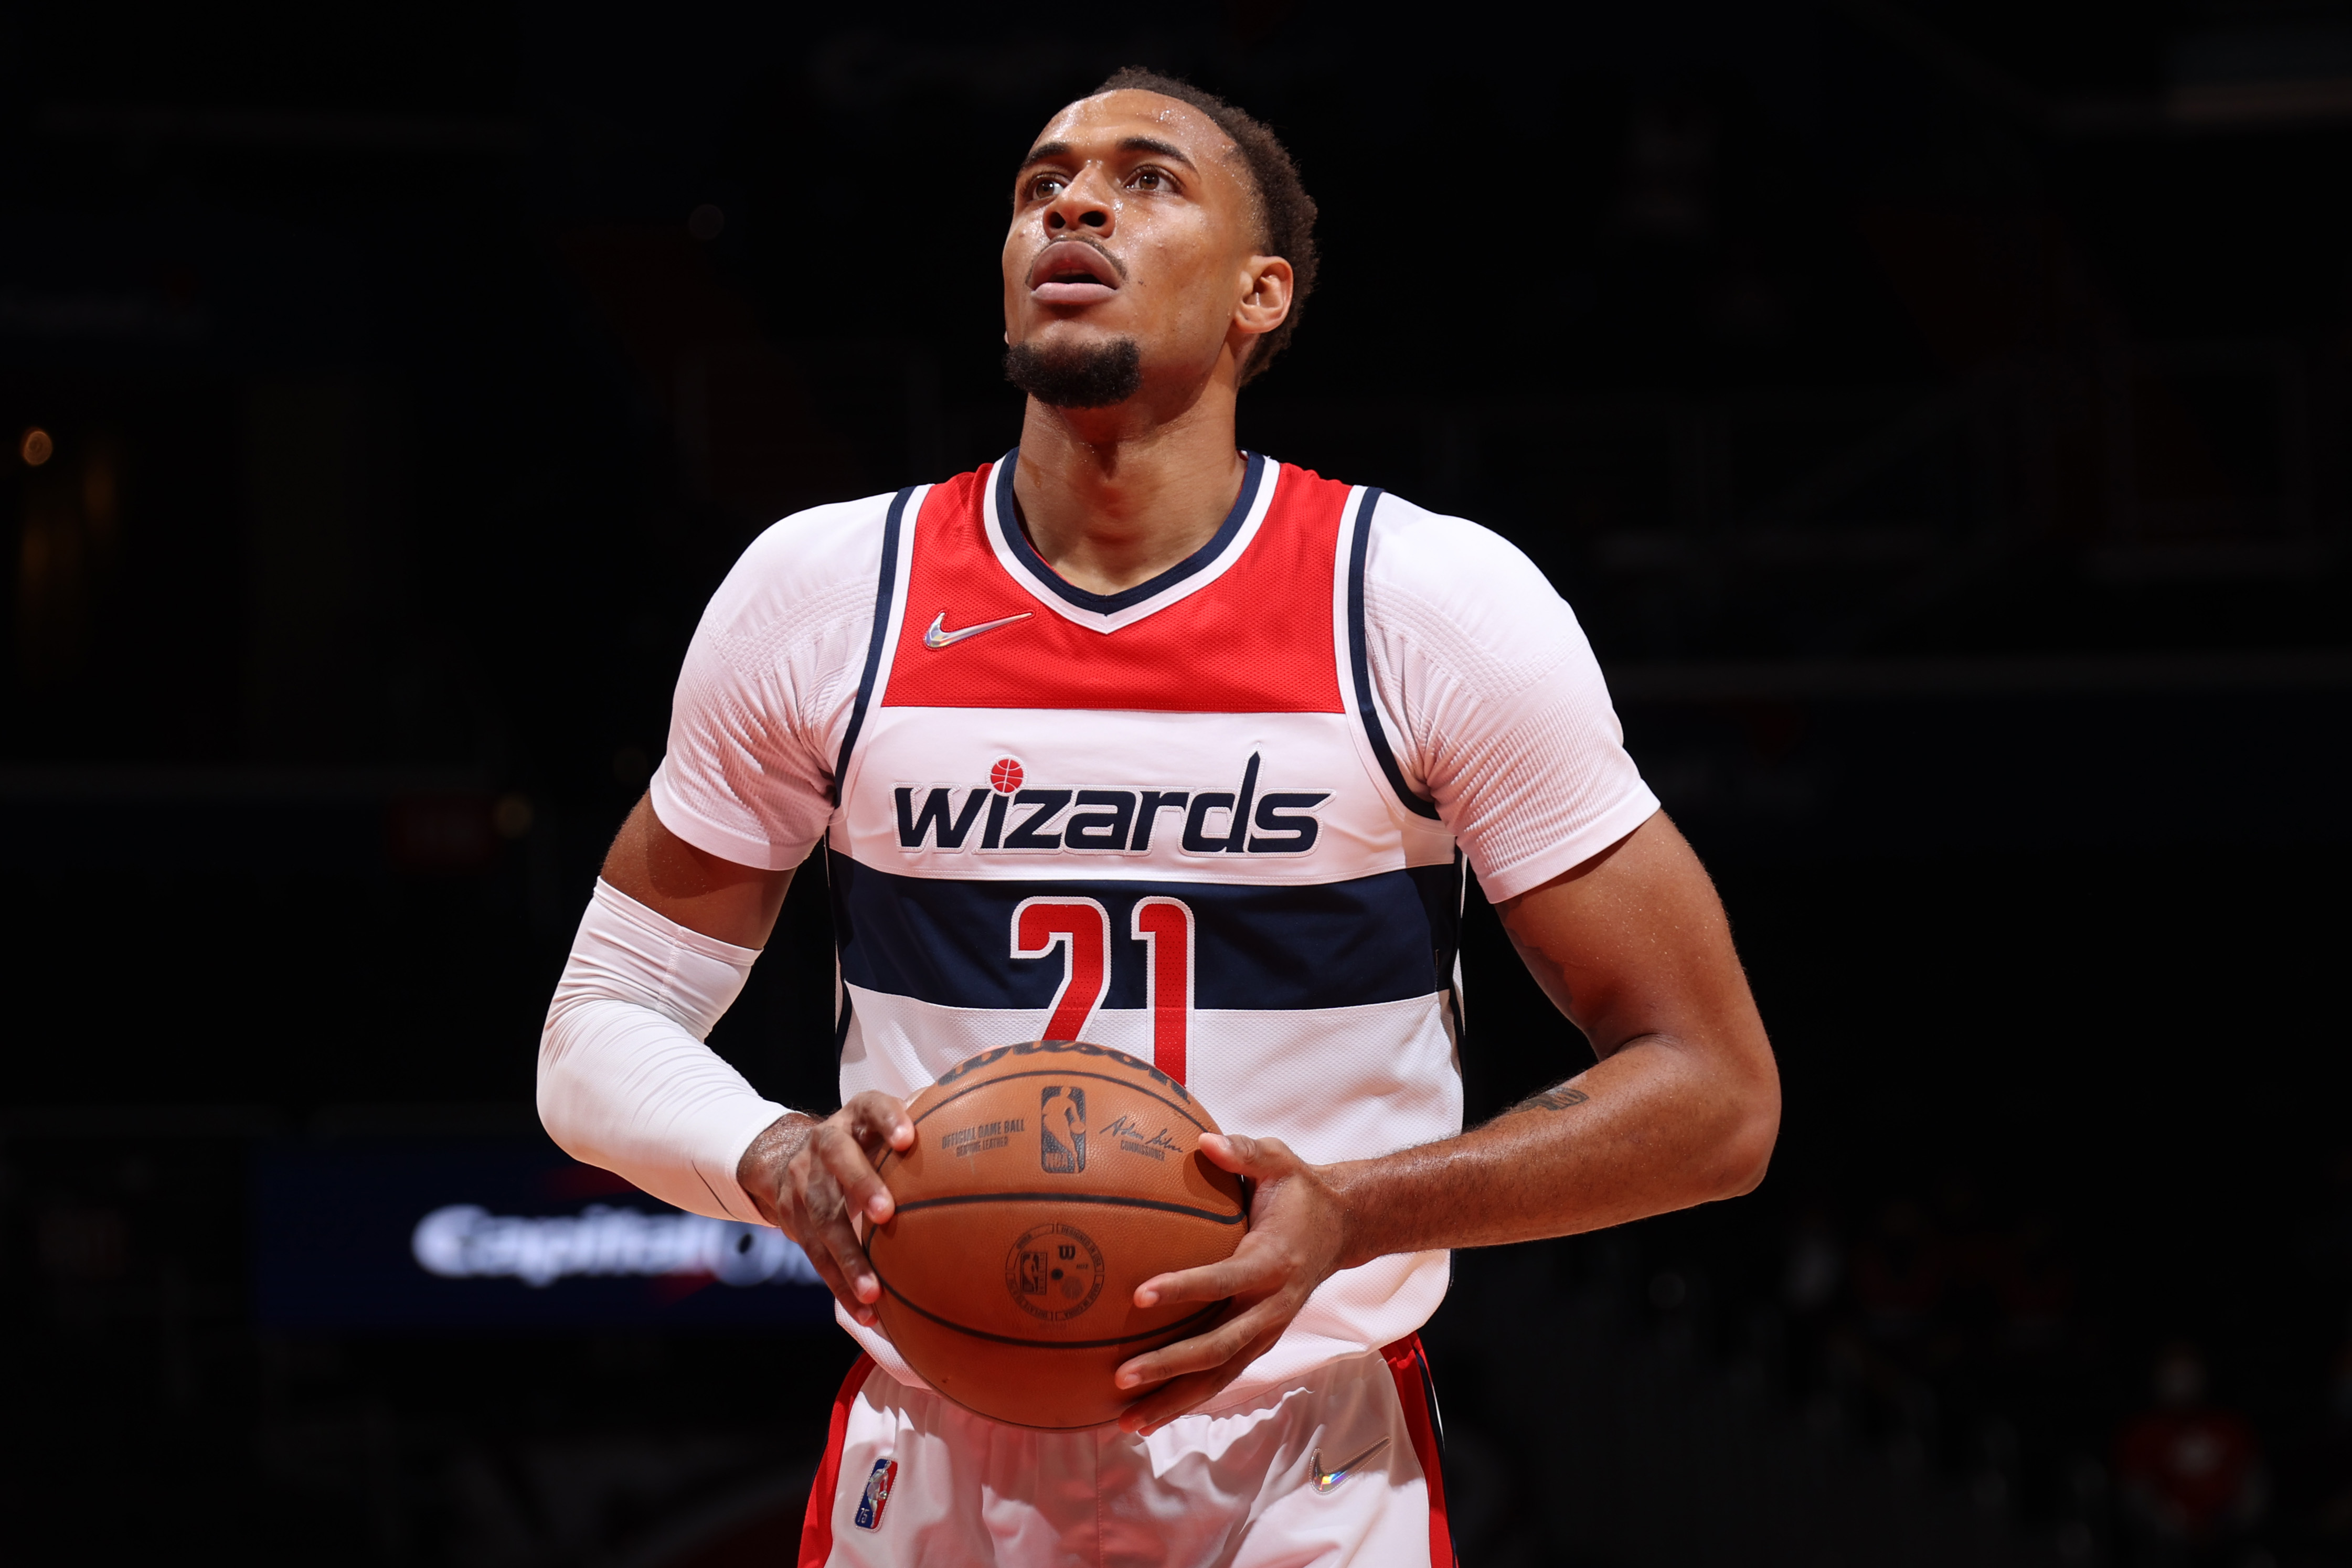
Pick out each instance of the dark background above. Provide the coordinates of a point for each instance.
(1937, 413)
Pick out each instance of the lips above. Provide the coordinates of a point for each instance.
(1071, 272)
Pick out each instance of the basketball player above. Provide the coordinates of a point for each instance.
(1132, 737)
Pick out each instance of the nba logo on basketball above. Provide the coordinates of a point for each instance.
(877, 1494)
(1062, 1130)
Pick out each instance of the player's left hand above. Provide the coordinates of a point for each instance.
(1297, 1239)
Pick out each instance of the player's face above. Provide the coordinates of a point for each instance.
(1131, 219)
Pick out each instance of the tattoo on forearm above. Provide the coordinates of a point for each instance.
(1559, 1099)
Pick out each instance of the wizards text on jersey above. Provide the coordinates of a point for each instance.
(1238, 820)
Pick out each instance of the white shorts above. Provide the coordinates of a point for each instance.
(1338, 1466)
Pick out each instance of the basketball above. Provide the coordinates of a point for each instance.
(1047, 1182)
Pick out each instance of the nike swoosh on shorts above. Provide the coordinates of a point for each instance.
(1325, 1480)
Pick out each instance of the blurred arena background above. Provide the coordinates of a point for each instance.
(1940, 416)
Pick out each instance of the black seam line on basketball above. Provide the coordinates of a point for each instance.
(874, 645)
(1051, 1344)
(1103, 1199)
(1358, 549)
(1081, 1072)
(888, 1154)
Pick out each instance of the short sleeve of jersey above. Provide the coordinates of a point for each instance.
(765, 693)
(1494, 703)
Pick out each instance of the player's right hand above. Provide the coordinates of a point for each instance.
(812, 1180)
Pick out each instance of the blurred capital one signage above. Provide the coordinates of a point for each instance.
(431, 1235)
(466, 1241)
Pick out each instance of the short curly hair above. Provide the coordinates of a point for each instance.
(1286, 212)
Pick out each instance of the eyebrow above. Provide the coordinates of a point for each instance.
(1045, 149)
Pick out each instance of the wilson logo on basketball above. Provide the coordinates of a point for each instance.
(1011, 817)
(1077, 1048)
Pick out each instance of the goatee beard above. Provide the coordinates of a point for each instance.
(1092, 375)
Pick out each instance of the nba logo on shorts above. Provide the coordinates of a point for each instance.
(1061, 1152)
(877, 1494)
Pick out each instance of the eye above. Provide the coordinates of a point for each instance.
(1043, 187)
(1147, 180)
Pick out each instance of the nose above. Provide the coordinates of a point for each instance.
(1084, 206)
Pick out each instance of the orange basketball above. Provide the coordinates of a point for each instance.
(1047, 1181)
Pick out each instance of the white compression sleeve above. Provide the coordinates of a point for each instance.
(625, 1080)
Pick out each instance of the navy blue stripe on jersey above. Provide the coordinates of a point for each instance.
(1381, 938)
(1457, 889)
(874, 643)
(1357, 656)
(1008, 522)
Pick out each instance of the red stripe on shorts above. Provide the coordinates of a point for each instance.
(1409, 1364)
(816, 1528)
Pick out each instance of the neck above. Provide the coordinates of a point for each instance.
(1113, 496)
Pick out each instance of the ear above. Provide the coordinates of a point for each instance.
(1265, 303)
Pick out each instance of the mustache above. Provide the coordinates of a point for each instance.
(1096, 246)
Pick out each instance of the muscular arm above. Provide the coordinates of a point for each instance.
(1683, 1108)
(670, 876)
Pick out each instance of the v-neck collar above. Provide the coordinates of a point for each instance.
(1013, 542)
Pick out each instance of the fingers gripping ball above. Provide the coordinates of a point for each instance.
(1047, 1182)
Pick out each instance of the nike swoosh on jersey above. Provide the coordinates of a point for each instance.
(1325, 1480)
(938, 636)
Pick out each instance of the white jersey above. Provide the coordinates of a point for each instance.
(1211, 820)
